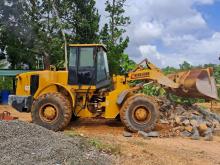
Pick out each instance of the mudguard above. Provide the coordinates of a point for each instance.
(122, 96)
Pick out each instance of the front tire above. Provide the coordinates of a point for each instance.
(139, 113)
(52, 111)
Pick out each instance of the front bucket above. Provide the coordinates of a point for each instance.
(197, 83)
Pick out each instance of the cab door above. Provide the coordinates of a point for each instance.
(86, 67)
(72, 73)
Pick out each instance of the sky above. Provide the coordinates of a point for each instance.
(169, 32)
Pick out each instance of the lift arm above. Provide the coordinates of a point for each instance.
(195, 83)
(145, 70)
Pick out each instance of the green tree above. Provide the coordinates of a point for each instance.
(85, 21)
(46, 31)
(185, 66)
(14, 31)
(34, 29)
(2, 42)
(169, 70)
(126, 64)
(112, 33)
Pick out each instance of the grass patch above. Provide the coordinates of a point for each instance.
(108, 148)
(98, 144)
(71, 133)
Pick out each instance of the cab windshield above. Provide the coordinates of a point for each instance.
(88, 65)
(86, 56)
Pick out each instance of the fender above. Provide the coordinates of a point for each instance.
(68, 89)
(122, 96)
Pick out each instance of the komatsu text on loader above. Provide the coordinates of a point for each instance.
(85, 89)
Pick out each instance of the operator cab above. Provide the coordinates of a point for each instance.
(88, 65)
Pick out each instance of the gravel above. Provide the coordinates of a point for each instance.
(26, 143)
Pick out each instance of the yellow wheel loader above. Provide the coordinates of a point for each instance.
(86, 90)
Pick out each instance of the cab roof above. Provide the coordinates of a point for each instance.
(88, 45)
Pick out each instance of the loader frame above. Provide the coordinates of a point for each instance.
(81, 93)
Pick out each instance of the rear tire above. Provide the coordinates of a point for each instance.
(52, 111)
(139, 113)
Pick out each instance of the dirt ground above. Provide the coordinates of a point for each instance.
(21, 116)
(214, 106)
(136, 150)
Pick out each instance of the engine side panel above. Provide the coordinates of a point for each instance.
(112, 108)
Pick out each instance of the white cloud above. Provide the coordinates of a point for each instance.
(174, 40)
(147, 31)
(205, 50)
(162, 60)
(169, 32)
(192, 45)
(150, 51)
(186, 25)
(192, 50)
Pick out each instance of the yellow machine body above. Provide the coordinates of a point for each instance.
(56, 81)
(84, 94)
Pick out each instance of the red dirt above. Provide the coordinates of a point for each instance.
(14, 113)
(136, 150)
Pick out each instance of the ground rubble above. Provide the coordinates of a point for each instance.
(27, 143)
(187, 121)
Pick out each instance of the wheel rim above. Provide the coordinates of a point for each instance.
(141, 115)
(48, 113)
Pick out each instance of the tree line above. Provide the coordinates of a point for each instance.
(31, 31)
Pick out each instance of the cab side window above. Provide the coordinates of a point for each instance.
(72, 57)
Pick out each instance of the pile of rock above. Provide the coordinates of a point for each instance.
(188, 121)
(26, 143)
